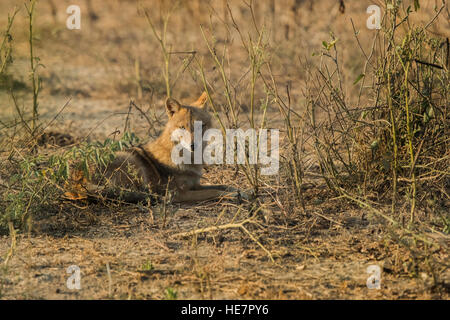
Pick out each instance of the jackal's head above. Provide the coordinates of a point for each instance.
(188, 123)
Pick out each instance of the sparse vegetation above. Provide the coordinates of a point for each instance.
(147, 266)
(364, 147)
(171, 294)
(394, 149)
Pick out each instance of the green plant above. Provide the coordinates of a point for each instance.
(171, 294)
(170, 76)
(7, 81)
(34, 65)
(35, 178)
(147, 266)
(396, 144)
(256, 47)
(6, 45)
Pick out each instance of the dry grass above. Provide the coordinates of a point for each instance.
(363, 160)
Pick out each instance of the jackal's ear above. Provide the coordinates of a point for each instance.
(172, 106)
(201, 101)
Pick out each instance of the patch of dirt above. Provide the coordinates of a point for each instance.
(315, 256)
(321, 252)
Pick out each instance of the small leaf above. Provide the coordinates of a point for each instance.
(86, 168)
(97, 156)
(364, 114)
(416, 5)
(332, 43)
(362, 75)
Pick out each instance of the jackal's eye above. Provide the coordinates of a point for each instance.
(182, 128)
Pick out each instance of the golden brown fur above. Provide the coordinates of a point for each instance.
(150, 168)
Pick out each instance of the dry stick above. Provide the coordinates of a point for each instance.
(30, 201)
(34, 81)
(274, 90)
(429, 64)
(216, 114)
(235, 25)
(12, 248)
(20, 113)
(137, 71)
(285, 110)
(210, 229)
(293, 142)
(326, 162)
(240, 225)
(436, 15)
(101, 122)
(258, 243)
(126, 126)
(256, 61)
(183, 67)
(224, 78)
(368, 58)
(162, 42)
(388, 64)
(224, 11)
(395, 146)
(6, 37)
(408, 129)
(447, 60)
(379, 213)
(59, 112)
(255, 19)
(144, 114)
(32, 142)
(326, 218)
(210, 100)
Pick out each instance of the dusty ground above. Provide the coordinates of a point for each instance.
(315, 258)
(319, 253)
(322, 255)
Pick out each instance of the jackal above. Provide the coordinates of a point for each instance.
(149, 168)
